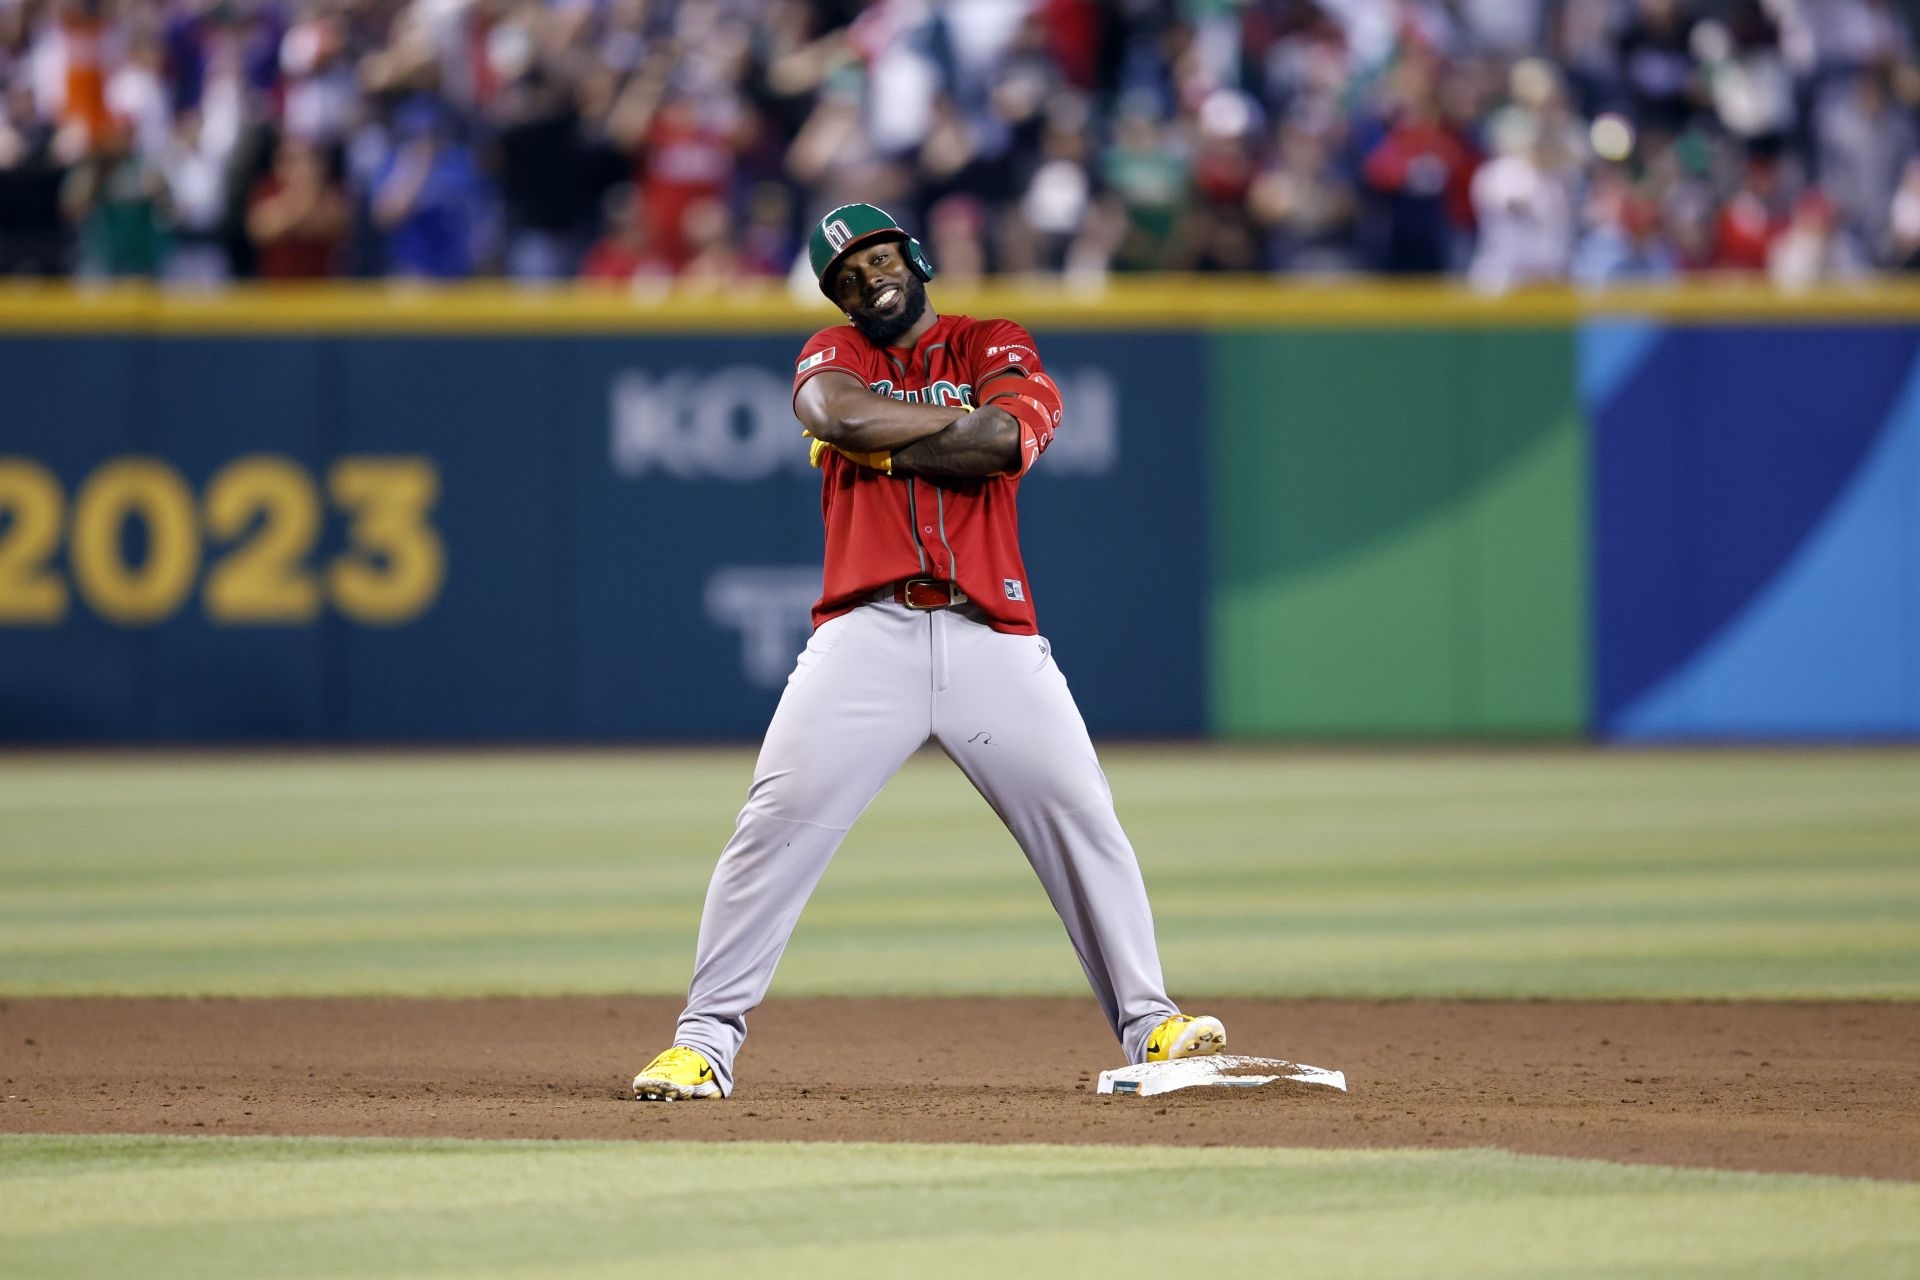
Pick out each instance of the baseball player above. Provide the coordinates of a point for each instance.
(922, 426)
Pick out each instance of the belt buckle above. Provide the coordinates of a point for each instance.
(948, 594)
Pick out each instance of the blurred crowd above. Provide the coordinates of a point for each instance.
(643, 142)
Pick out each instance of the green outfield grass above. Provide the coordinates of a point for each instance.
(213, 1207)
(1555, 873)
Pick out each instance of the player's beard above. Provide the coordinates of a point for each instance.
(881, 330)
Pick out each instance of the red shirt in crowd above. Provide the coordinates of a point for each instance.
(883, 528)
(686, 160)
(612, 259)
(1743, 232)
(1421, 157)
(291, 256)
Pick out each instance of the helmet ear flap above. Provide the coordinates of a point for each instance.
(918, 260)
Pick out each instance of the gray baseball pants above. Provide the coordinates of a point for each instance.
(872, 686)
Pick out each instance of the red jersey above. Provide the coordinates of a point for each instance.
(881, 528)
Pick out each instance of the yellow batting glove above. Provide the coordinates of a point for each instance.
(818, 451)
(876, 461)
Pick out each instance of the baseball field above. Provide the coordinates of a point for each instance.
(1602, 1012)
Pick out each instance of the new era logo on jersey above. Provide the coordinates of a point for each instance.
(1015, 591)
(817, 358)
(1015, 354)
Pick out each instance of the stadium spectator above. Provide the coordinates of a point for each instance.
(1681, 177)
(298, 216)
(1655, 50)
(1523, 207)
(1624, 242)
(767, 245)
(1744, 232)
(1053, 207)
(116, 199)
(956, 233)
(1746, 75)
(196, 165)
(1811, 247)
(428, 201)
(687, 152)
(1903, 220)
(34, 236)
(1222, 233)
(81, 47)
(1414, 173)
(714, 259)
(625, 254)
(543, 177)
(1150, 175)
(321, 91)
(137, 94)
(1865, 136)
(1305, 203)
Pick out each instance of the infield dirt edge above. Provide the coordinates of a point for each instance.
(1804, 1086)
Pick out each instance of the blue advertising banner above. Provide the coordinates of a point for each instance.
(1756, 567)
(426, 538)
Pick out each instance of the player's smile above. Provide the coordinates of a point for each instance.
(877, 288)
(880, 293)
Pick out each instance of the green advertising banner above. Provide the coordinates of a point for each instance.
(1399, 533)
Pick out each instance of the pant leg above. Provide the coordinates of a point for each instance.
(855, 707)
(1007, 719)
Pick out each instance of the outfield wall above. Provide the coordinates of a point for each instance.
(356, 516)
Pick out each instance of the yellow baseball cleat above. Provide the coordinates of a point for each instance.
(677, 1074)
(1186, 1036)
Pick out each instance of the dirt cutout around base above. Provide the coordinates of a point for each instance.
(1816, 1088)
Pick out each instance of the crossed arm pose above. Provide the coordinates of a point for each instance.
(897, 436)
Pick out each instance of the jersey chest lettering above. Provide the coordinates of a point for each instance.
(942, 392)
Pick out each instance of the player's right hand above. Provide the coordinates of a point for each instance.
(816, 454)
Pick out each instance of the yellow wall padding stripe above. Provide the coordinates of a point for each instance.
(1192, 302)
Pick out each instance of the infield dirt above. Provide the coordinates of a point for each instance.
(1805, 1087)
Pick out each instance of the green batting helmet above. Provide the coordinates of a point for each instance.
(852, 225)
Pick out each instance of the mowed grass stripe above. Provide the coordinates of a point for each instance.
(164, 1207)
(1569, 872)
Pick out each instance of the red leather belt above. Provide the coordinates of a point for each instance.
(928, 593)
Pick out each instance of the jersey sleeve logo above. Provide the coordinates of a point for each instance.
(817, 358)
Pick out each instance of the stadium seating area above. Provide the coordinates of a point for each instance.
(640, 142)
